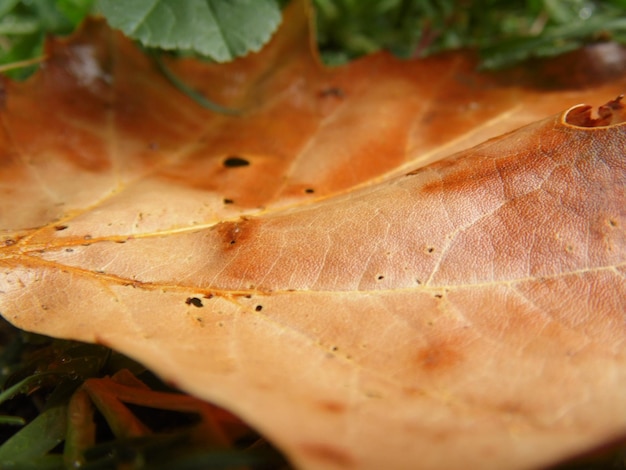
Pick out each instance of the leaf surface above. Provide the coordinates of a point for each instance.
(326, 265)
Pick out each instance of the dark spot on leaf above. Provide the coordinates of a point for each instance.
(381, 277)
(309, 190)
(418, 281)
(69, 250)
(208, 296)
(334, 92)
(9, 242)
(430, 249)
(228, 201)
(438, 296)
(58, 228)
(612, 223)
(235, 161)
(195, 301)
(258, 308)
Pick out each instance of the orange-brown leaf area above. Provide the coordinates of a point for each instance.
(369, 263)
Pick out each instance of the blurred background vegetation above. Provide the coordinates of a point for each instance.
(505, 32)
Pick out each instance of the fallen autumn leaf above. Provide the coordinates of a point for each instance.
(325, 265)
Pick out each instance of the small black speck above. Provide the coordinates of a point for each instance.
(58, 228)
(334, 348)
(309, 190)
(195, 301)
(380, 277)
(430, 249)
(258, 308)
(438, 296)
(418, 281)
(232, 242)
(235, 161)
(69, 250)
(228, 201)
(334, 91)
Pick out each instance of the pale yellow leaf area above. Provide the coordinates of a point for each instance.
(359, 292)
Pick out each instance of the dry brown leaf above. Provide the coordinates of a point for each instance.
(361, 300)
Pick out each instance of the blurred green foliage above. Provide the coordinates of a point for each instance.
(505, 32)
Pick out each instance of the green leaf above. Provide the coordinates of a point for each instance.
(220, 29)
(36, 439)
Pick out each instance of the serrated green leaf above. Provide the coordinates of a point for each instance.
(219, 29)
(75, 10)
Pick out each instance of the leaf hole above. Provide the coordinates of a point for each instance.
(235, 161)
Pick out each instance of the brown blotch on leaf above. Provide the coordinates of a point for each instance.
(333, 407)
(237, 232)
(58, 228)
(436, 357)
(328, 454)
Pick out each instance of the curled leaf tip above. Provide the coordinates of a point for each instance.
(611, 113)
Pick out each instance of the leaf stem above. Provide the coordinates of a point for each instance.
(22, 63)
(189, 91)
